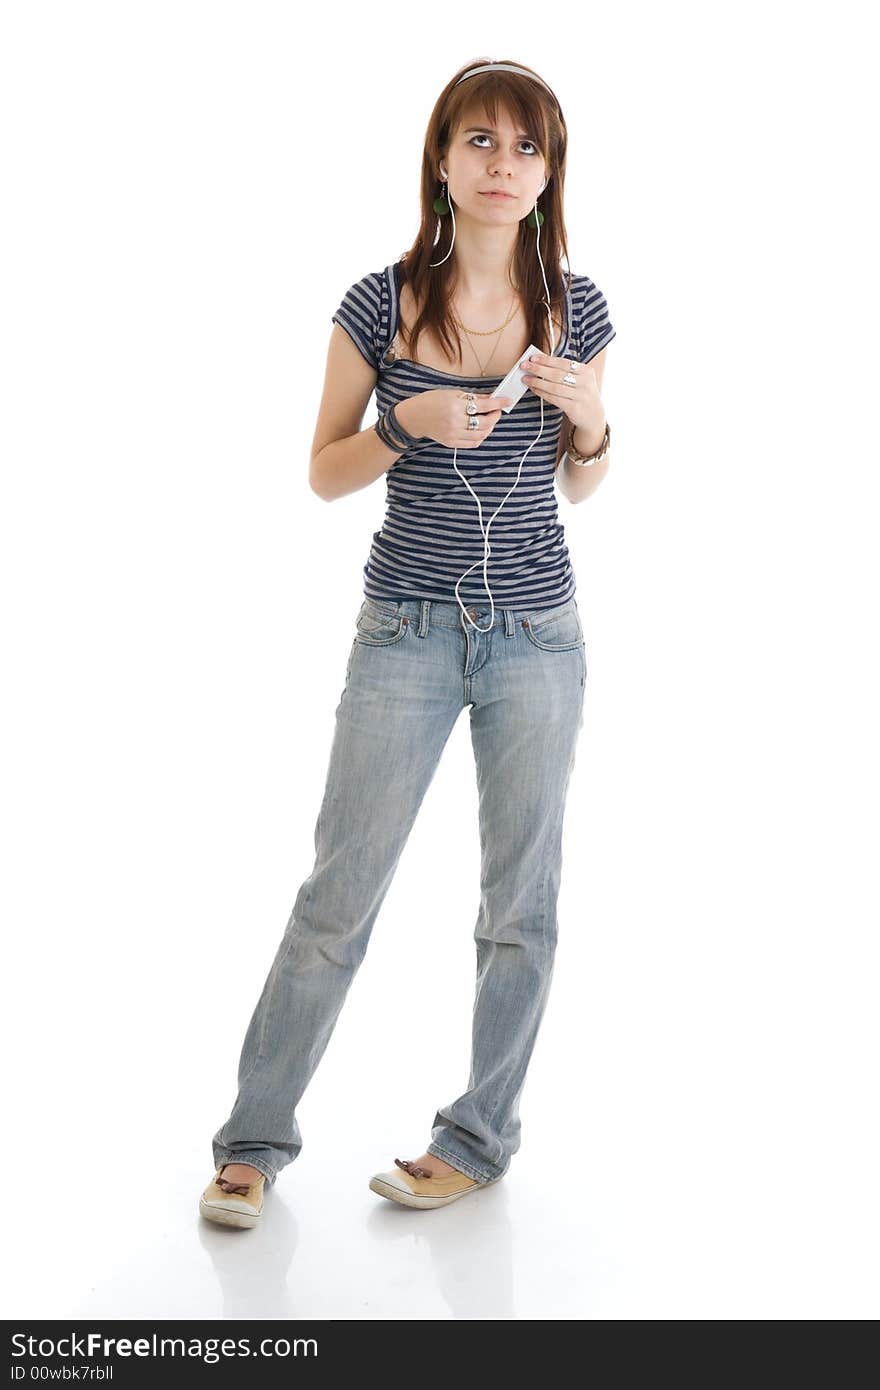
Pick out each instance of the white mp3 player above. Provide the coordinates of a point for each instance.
(513, 384)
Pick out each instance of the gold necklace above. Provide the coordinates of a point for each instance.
(487, 333)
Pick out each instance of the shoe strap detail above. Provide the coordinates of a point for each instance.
(229, 1186)
(414, 1168)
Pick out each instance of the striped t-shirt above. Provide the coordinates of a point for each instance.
(431, 532)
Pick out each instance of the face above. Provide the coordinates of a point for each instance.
(480, 159)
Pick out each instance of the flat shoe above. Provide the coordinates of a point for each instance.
(230, 1203)
(419, 1187)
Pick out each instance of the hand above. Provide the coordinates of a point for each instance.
(441, 415)
(581, 402)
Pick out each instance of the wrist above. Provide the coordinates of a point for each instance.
(407, 412)
(587, 440)
(393, 428)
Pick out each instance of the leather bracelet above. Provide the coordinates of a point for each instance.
(585, 460)
(397, 427)
(387, 437)
(392, 432)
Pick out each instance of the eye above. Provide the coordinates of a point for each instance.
(488, 137)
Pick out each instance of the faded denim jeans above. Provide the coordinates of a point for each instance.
(414, 665)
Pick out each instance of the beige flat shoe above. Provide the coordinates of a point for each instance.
(232, 1203)
(420, 1187)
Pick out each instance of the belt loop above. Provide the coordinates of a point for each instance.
(508, 622)
(424, 617)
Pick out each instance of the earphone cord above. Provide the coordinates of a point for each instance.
(485, 533)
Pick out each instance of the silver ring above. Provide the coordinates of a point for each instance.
(574, 366)
(570, 380)
(473, 424)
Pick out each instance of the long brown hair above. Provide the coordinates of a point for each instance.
(536, 111)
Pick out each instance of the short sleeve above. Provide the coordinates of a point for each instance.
(592, 324)
(359, 314)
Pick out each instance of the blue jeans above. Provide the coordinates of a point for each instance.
(414, 665)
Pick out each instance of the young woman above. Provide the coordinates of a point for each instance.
(434, 334)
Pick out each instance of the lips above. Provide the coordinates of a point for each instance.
(495, 193)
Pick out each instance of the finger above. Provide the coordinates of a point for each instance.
(542, 361)
(548, 390)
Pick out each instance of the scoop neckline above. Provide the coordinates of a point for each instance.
(438, 371)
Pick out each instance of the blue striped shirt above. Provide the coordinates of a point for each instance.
(431, 531)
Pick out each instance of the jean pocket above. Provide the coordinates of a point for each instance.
(380, 623)
(555, 629)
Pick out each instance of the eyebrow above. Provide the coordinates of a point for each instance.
(487, 130)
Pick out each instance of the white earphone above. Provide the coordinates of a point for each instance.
(485, 532)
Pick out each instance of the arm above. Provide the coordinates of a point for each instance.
(577, 484)
(345, 458)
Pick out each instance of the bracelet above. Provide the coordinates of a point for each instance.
(585, 460)
(392, 432)
(387, 437)
(388, 432)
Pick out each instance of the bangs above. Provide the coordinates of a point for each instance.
(484, 107)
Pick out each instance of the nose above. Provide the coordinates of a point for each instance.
(501, 161)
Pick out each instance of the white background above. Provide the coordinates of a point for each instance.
(189, 189)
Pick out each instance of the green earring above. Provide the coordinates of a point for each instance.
(441, 204)
(535, 213)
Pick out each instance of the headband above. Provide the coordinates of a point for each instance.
(510, 67)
